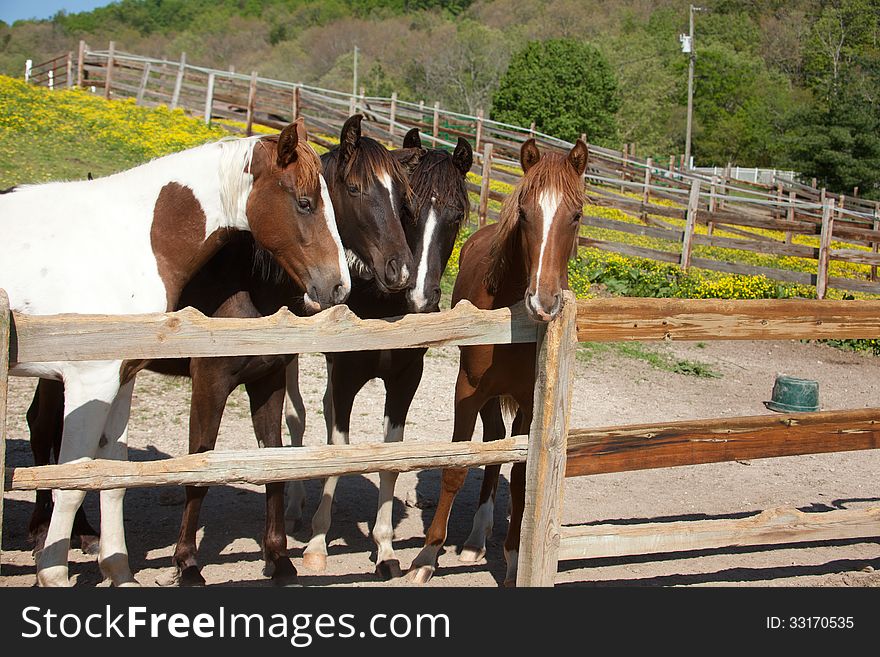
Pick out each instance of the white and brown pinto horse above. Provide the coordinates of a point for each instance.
(522, 257)
(128, 243)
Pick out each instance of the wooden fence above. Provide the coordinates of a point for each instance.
(552, 450)
(680, 215)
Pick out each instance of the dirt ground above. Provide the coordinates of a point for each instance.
(611, 388)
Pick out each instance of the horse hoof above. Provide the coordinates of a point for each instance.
(421, 574)
(471, 554)
(128, 584)
(510, 583)
(387, 570)
(315, 561)
(282, 572)
(89, 544)
(190, 576)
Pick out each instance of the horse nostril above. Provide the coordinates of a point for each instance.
(392, 271)
(340, 293)
(434, 296)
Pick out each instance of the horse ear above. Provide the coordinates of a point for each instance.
(412, 139)
(409, 158)
(348, 138)
(301, 132)
(529, 154)
(287, 141)
(463, 156)
(578, 157)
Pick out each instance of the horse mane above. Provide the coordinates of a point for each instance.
(551, 172)
(437, 177)
(236, 180)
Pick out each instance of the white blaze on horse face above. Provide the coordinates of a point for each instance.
(388, 184)
(549, 202)
(420, 293)
(330, 218)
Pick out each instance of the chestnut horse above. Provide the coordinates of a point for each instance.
(129, 243)
(523, 256)
(242, 280)
(441, 205)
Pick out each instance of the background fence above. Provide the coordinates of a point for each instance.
(664, 212)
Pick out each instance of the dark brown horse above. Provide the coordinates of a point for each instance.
(441, 205)
(522, 257)
(369, 189)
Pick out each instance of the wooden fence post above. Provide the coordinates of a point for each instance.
(825, 248)
(392, 114)
(624, 167)
(486, 174)
(69, 82)
(143, 86)
(690, 224)
(646, 192)
(108, 79)
(5, 317)
(80, 63)
(435, 130)
(875, 247)
(713, 203)
(478, 130)
(548, 439)
(251, 102)
(532, 132)
(297, 103)
(209, 99)
(789, 236)
(178, 83)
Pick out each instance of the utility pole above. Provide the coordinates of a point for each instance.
(354, 82)
(687, 47)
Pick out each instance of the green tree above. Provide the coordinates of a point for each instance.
(565, 86)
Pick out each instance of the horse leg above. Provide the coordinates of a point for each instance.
(342, 387)
(467, 406)
(266, 396)
(45, 418)
(212, 384)
(295, 416)
(521, 424)
(113, 553)
(399, 393)
(90, 389)
(493, 429)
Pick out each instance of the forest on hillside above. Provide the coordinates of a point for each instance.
(787, 84)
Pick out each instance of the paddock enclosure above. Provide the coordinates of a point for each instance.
(733, 213)
(553, 450)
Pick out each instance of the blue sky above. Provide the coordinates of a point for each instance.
(13, 10)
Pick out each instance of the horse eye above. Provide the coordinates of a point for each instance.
(304, 204)
(576, 218)
(522, 215)
(353, 189)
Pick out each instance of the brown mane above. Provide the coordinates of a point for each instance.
(552, 171)
(431, 178)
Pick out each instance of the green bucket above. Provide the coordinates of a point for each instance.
(793, 395)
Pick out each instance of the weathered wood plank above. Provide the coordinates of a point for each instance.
(689, 225)
(4, 389)
(614, 319)
(825, 248)
(188, 332)
(261, 466)
(692, 442)
(545, 467)
(770, 527)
